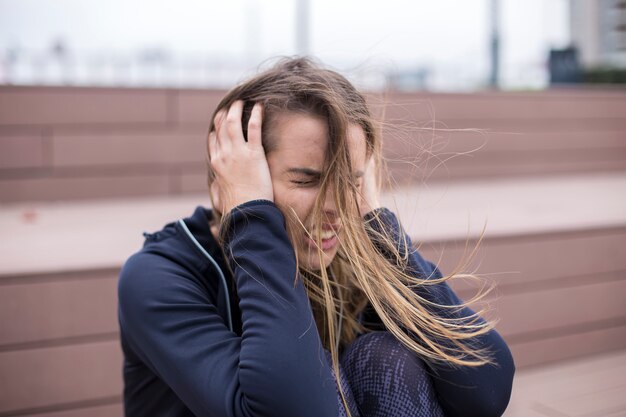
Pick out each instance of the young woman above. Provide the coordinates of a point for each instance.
(298, 294)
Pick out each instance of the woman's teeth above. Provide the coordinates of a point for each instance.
(326, 234)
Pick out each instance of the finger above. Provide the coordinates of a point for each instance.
(223, 141)
(371, 172)
(213, 146)
(218, 119)
(234, 123)
(255, 125)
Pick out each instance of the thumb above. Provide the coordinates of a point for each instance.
(214, 193)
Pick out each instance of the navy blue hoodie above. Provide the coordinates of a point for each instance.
(200, 342)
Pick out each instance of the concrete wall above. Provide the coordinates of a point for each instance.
(86, 143)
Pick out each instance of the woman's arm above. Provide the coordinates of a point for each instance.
(275, 368)
(467, 391)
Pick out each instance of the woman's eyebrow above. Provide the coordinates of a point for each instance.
(305, 171)
(314, 173)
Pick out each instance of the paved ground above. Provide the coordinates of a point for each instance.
(41, 237)
(589, 387)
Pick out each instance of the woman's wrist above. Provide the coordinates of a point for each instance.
(254, 202)
(368, 207)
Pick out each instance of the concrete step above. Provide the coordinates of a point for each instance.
(66, 236)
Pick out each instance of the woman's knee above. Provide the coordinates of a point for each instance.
(379, 342)
(373, 341)
(387, 378)
(380, 349)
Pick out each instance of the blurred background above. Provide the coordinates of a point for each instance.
(439, 46)
(506, 117)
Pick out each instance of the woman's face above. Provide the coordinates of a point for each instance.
(296, 166)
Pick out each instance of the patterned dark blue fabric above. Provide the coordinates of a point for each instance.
(382, 378)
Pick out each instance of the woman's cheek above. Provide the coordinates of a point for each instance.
(299, 199)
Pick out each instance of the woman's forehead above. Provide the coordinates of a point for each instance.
(305, 137)
(297, 130)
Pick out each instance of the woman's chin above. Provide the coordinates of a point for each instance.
(310, 260)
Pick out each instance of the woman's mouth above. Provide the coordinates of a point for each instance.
(329, 239)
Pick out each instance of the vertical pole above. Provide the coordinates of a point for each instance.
(253, 33)
(495, 44)
(302, 27)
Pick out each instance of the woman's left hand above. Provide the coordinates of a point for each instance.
(241, 170)
(370, 191)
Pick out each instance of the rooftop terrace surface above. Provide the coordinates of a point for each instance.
(588, 387)
(67, 236)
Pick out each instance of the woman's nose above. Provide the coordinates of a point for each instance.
(329, 201)
(330, 207)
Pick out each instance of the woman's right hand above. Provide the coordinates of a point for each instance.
(241, 170)
(370, 192)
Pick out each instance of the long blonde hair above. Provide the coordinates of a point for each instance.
(371, 266)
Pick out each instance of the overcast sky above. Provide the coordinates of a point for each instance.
(344, 33)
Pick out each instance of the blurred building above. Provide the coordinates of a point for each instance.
(598, 30)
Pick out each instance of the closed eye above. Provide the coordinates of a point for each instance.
(304, 183)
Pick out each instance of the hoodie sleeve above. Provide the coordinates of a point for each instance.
(276, 368)
(463, 391)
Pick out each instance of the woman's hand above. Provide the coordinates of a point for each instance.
(370, 192)
(241, 170)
